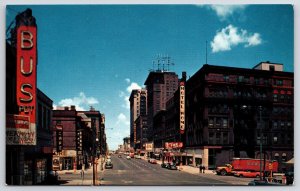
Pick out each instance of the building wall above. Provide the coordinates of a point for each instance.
(160, 88)
(223, 110)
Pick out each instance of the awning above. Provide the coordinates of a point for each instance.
(290, 161)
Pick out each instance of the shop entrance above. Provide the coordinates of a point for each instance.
(67, 163)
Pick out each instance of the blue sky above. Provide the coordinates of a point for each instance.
(96, 54)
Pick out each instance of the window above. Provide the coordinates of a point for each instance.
(225, 138)
(211, 122)
(225, 123)
(218, 122)
(218, 138)
(211, 138)
(275, 139)
(275, 125)
(275, 97)
(272, 68)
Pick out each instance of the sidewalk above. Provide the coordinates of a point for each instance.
(67, 176)
(187, 168)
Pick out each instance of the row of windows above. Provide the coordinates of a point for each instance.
(283, 98)
(217, 122)
(216, 138)
(277, 138)
(248, 80)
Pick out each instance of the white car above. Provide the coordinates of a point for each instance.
(137, 156)
(128, 158)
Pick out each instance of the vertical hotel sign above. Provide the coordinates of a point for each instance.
(182, 107)
(25, 90)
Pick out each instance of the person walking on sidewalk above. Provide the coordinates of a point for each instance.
(82, 174)
(200, 168)
(203, 169)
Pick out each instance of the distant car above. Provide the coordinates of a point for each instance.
(247, 174)
(152, 161)
(128, 157)
(108, 165)
(119, 156)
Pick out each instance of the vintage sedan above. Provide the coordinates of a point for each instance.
(247, 174)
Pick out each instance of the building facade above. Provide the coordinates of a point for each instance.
(160, 86)
(78, 138)
(28, 113)
(138, 106)
(229, 110)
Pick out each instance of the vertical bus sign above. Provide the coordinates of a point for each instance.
(26, 78)
(182, 107)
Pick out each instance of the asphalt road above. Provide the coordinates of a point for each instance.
(140, 172)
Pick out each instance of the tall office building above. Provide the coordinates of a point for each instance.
(138, 107)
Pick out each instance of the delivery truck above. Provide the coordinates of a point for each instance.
(247, 164)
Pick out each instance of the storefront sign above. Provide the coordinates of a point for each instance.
(149, 147)
(182, 107)
(24, 132)
(173, 145)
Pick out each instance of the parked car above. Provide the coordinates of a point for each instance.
(247, 174)
(263, 183)
(289, 177)
(137, 156)
(128, 157)
(164, 165)
(120, 156)
(152, 161)
(108, 165)
(171, 166)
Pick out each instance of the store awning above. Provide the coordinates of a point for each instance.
(290, 161)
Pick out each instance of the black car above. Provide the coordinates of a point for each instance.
(263, 183)
(164, 165)
(108, 165)
(289, 177)
(172, 166)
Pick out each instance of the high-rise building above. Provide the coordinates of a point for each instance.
(160, 86)
(138, 106)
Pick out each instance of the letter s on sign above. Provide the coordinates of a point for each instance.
(26, 93)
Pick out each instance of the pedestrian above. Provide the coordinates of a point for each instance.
(82, 174)
(200, 168)
(203, 169)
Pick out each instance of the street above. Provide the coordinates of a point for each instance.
(140, 172)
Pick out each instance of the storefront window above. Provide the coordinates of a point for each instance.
(28, 172)
(41, 170)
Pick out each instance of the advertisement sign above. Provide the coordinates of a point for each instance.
(149, 147)
(182, 107)
(25, 90)
(173, 145)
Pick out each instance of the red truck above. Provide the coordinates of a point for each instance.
(246, 164)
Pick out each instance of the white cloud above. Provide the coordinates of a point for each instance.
(231, 36)
(125, 95)
(122, 120)
(127, 80)
(81, 102)
(133, 86)
(224, 11)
